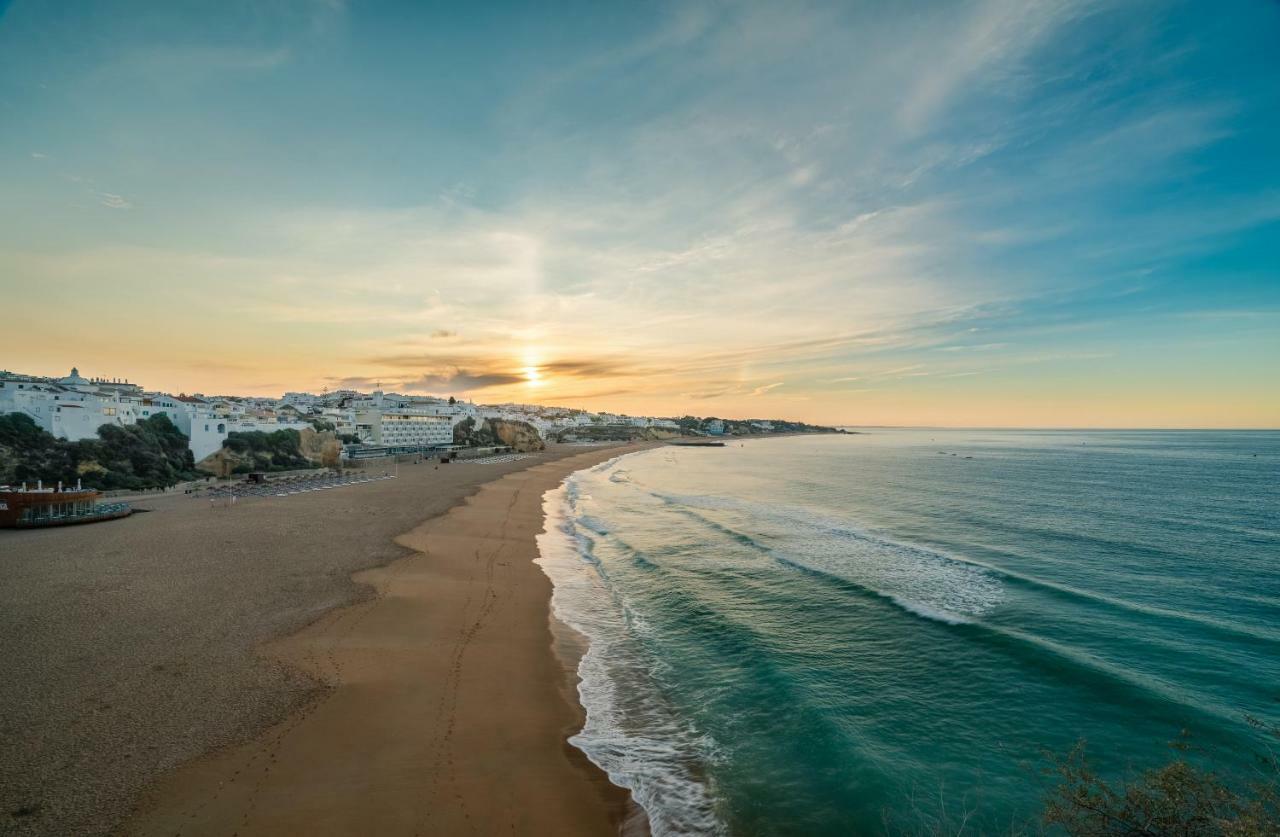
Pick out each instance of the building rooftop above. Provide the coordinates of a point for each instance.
(74, 379)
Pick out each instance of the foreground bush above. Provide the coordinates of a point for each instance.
(1180, 799)
(1185, 797)
(279, 450)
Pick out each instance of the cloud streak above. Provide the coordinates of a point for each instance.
(112, 201)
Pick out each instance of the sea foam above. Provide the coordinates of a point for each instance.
(920, 580)
(629, 732)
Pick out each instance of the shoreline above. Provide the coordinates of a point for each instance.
(467, 734)
(142, 647)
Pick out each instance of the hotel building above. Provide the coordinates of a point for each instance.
(404, 428)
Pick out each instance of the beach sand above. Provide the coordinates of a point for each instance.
(192, 671)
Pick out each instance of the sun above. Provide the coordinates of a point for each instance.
(531, 370)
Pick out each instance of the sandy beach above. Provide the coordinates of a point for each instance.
(211, 670)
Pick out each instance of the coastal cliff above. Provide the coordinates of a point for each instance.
(281, 450)
(521, 436)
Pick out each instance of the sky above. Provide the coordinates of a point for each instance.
(990, 213)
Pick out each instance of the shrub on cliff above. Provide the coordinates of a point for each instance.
(279, 450)
(149, 454)
(28, 453)
(153, 452)
(1184, 797)
(1181, 797)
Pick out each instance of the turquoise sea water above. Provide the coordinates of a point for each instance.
(798, 635)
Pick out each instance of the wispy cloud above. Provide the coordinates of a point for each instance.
(978, 347)
(112, 201)
(986, 42)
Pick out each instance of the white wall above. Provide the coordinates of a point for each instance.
(207, 433)
(68, 414)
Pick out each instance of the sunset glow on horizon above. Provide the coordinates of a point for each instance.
(997, 214)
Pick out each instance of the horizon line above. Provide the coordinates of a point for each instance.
(1098, 428)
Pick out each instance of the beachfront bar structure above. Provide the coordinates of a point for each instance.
(29, 508)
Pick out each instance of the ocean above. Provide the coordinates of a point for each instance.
(843, 634)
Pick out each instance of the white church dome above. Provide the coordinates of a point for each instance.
(74, 379)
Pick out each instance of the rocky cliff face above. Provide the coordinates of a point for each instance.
(222, 462)
(521, 436)
(321, 448)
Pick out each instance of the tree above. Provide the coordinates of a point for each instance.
(149, 454)
(462, 430)
(1180, 798)
(29, 453)
(452, 401)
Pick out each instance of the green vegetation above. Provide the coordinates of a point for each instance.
(1182, 798)
(150, 454)
(28, 453)
(1185, 797)
(279, 450)
(467, 433)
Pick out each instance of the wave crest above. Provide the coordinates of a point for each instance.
(922, 581)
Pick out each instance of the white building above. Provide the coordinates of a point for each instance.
(455, 412)
(418, 404)
(226, 408)
(205, 428)
(71, 408)
(206, 433)
(301, 400)
(74, 407)
(403, 427)
(343, 421)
